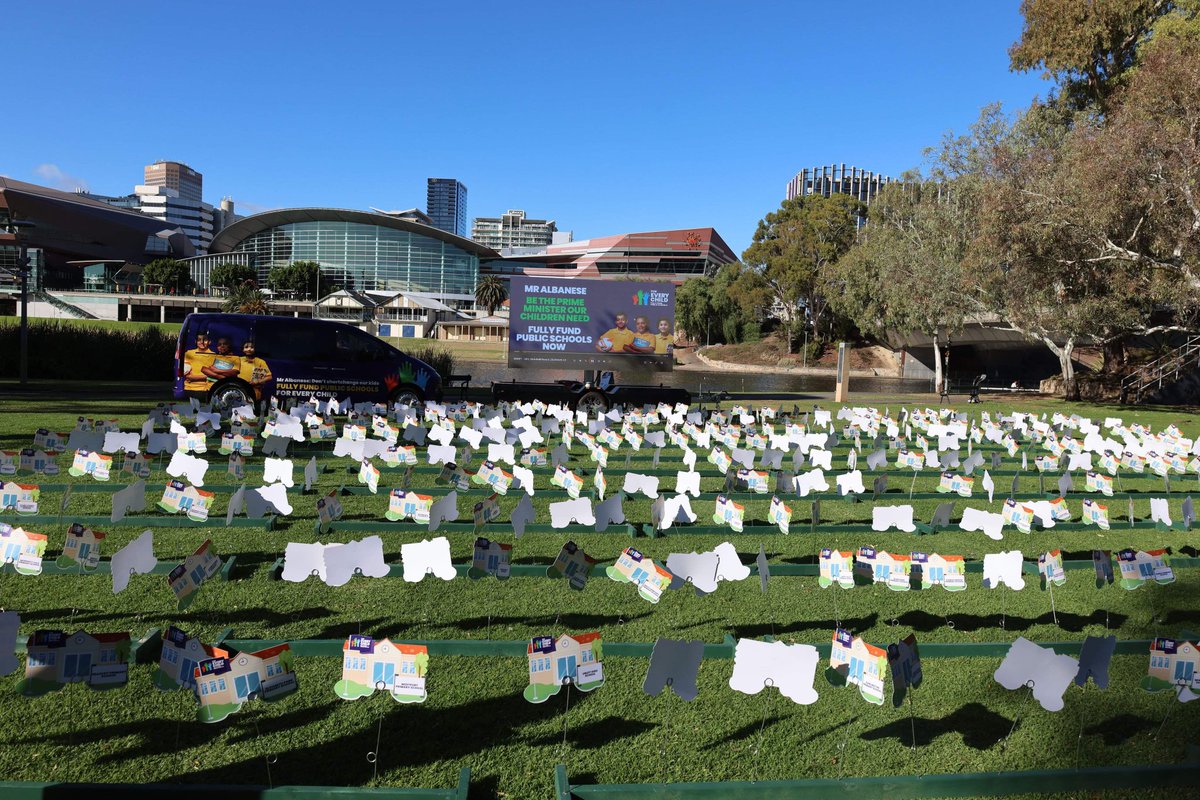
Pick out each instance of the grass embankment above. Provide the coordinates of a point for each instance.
(98, 324)
(476, 716)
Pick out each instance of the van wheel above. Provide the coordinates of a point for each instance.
(592, 402)
(407, 395)
(229, 395)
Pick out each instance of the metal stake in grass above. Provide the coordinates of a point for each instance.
(767, 697)
(1180, 685)
(913, 485)
(566, 711)
(269, 758)
(373, 755)
(1017, 719)
(1053, 610)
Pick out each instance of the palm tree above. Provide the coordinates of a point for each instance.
(246, 299)
(491, 293)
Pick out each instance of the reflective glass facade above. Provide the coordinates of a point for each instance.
(366, 257)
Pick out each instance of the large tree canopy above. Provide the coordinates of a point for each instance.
(793, 246)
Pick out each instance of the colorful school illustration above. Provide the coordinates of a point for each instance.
(50, 440)
(369, 664)
(1143, 565)
(185, 579)
(1173, 663)
(55, 658)
(137, 464)
(22, 549)
(880, 566)
(864, 664)
(224, 683)
(554, 662)
(650, 578)
(19, 497)
(87, 462)
(180, 496)
(573, 564)
(82, 545)
(490, 558)
(934, 569)
(37, 461)
(837, 566)
(180, 655)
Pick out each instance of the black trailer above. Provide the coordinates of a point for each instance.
(588, 396)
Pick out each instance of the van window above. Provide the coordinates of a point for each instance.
(295, 340)
(354, 345)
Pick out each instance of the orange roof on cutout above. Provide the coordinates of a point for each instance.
(584, 638)
(412, 649)
(110, 637)
(270, 652)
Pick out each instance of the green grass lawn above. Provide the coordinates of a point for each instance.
(109, 324)
(475, 714)
(462, 351)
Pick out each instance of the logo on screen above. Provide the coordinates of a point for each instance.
(650, 298)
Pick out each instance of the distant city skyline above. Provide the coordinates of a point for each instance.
(608, 145)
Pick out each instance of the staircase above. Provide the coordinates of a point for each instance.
(1173, 378)
(69, 309)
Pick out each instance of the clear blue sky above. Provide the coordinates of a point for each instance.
(609, 117)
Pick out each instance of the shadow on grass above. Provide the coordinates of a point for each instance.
(748, 732)
(979, 726)
(925, 622)
(595, 734)
(1120, 729)
(448, 736)
(780, 628)
(259, 616)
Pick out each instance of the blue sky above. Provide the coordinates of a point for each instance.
(609, 117)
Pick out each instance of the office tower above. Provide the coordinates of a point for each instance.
(446, 204)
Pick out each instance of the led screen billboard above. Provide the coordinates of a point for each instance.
(556, 323)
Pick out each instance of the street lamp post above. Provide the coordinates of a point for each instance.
(12, 227)
(23, 271)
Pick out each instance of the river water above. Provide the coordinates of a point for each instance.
(483, 373)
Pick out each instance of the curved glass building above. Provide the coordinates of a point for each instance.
(360, 250)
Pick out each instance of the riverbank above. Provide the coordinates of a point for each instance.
(864, 363)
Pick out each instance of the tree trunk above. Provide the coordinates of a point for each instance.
(1114, 355)
(1069, 384)
(938, 377)
(790, 333)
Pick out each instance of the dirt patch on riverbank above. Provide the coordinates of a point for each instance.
(770, 354)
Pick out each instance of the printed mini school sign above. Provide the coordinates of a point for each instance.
(591, 324)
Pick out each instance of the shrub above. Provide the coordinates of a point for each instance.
(441, 360)
(78, 353)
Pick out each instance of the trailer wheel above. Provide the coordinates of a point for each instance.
(592, 402)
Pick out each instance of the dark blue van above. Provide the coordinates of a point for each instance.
(234, 359)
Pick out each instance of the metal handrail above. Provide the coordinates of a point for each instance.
(1182, 357)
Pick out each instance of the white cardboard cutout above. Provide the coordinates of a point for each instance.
(887, 517)
(443, 510)
(193, 467)
(302, 559)
(1049, 672)
(131, 498)
(687, 483)
(278, 470)
(1004, 568)
(137, 557)
(365, 555)
(522, 515)
(115, 441)
(992, 524)
(645, 484)
(577, 511)
(428, 556)
(789, 668)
